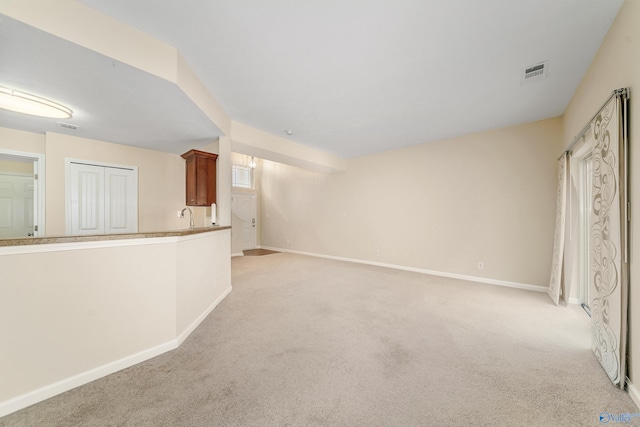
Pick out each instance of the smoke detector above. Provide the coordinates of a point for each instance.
(534, 73)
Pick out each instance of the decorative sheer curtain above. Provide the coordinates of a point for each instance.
(556, 282)
(608, 235)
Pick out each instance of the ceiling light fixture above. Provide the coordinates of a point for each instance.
(26, 103)
(289, 132)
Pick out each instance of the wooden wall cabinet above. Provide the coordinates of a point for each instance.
(201, 177)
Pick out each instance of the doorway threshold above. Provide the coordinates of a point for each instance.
(258, 252)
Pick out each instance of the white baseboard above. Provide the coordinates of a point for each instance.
(496, 282)
(192, 327)
(575, 301)
(43, 393)
(634, 393)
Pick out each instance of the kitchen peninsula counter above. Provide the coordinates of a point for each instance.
(77, 308)
(22, 241)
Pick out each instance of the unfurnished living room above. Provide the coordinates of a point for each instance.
(319, 213)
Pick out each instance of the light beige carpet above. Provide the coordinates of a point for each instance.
(304, 341)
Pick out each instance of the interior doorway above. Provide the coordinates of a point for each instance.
(582, 177)
(585, 173)
(21, 194)
(16, 205)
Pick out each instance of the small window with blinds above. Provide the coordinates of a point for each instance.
(241, 176)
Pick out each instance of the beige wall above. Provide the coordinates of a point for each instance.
(222, 147)
(17, 140)
(161, 180)
(75, 311)
(254, 142)
(442, 206)
(197, 287)
(617, 65)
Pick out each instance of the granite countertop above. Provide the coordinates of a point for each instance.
(23, 241)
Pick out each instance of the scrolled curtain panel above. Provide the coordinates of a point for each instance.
(608, 267)
(608, 264)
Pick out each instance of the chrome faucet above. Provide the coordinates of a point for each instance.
(190, 216)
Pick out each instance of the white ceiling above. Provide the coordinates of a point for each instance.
(351, 77)
(111, 101)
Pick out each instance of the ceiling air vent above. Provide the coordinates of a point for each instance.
(535, 72)
(68, 126)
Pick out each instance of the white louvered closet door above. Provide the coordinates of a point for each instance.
(87, 199)
(102, 200)
(121, 201)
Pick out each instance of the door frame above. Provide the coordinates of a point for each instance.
(39, 183)
(583, 202)
(584, 214)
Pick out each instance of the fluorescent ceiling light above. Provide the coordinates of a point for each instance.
(21, 102)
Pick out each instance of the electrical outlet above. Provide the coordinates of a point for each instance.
(480, 265)
(180, 214)
(453, 263)
(288, 242)
(378, 252)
